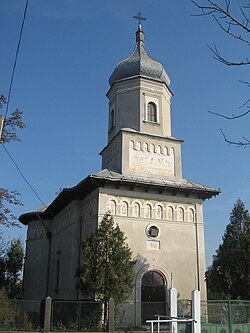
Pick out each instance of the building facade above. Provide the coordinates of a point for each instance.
(141, 185)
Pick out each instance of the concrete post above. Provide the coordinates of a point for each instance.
(111, 313)
(196, 311)
(47, 314)
(173, 308)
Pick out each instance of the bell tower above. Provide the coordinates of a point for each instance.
(139, 126)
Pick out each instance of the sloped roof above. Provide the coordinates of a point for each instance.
(107, 177)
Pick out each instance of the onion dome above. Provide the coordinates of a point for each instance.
(139, 64)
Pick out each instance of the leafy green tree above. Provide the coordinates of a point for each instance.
(11, 124)
(229, 274)
(7, 315)
(107, 270)
(13, 266)
(9, 197)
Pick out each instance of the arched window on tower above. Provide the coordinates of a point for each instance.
(151, 112)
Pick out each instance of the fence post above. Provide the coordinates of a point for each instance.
(196, 311)
(111, 320)
(173, 309)
(47, 314)
(229, 317)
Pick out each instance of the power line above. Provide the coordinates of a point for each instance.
(33, 190)
(6, 112)
(22, 175)
(15, 61)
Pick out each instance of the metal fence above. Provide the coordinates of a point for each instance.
(129, 314)
(184, 308)
(125, 315)
(21, 315)
(76, 316)
(225, 312)
(225, 316)
(216, 316)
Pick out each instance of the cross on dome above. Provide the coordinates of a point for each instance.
(140, 18)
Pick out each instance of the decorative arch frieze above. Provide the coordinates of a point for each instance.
(147, 210)
(36, 232)
(154, 159)
(180, 214)
(191, 214)
(124, 208)
(158, 210)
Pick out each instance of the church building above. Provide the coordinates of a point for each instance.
(141, 185)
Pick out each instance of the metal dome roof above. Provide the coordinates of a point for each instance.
(139, 64)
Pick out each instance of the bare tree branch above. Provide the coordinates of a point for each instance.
(235, 22)
(244, 104)
(232, 117)
(230, 23)
(245, 82)
(239, 143)
(213, 8)
(228, 30)
(220, 58)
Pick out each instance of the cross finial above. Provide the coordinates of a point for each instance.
(139, 18)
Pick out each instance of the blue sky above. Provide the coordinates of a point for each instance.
(68, 51)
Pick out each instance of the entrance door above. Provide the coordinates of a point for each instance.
(153, 295)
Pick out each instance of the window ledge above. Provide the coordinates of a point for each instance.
(151, 123)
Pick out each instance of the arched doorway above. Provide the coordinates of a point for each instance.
(153, 295)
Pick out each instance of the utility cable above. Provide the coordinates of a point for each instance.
(34, 191)
(7, 109)
(15, 61)
(24, 178)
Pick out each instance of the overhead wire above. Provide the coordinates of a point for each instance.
(15, 60)
(7, 109)
(6, 113)
(24, 178)
(8, 103)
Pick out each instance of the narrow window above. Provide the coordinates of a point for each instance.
(112, 119)
(151, 112)
(57, 274)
